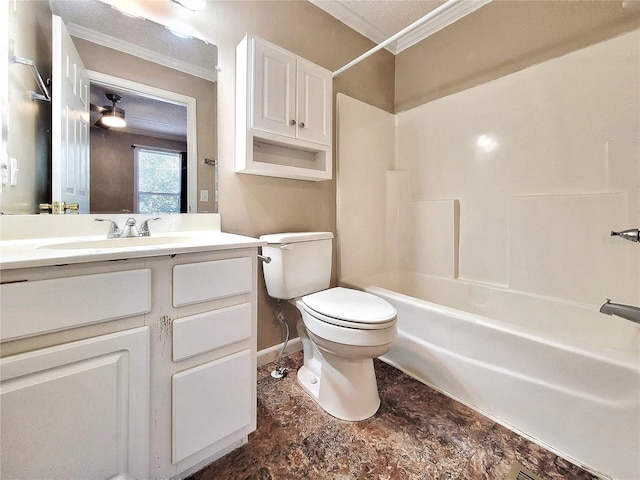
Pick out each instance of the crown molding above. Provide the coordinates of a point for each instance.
(140, 52)
(446, 17)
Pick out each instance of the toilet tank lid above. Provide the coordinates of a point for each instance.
(293, 237)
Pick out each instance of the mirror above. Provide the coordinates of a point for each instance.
(122, 53)
(156, 122)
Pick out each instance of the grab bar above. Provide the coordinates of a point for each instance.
(45, 96)
(628, 312)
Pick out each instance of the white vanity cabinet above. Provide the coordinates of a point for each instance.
(74, 401)
(136, 368)
(203, 351)
(77, 410)
(284, 113)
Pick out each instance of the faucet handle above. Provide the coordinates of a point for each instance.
(144, 228)
(114, 230)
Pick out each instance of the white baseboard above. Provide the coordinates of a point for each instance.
(268, 355)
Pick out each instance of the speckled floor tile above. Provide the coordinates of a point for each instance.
(417, 434)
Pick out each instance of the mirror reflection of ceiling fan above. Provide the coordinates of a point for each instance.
(112, 116)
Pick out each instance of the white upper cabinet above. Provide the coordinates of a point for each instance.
(313, 116)
(291, 96)
(274, 90)
(284, 113)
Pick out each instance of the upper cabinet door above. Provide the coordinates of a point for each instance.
(70, 125)
(314, 85)
(291, 96)
(273, 89)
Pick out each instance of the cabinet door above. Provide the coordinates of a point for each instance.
(77, 410)
(274, 77)
(314, 87)
(211, 402)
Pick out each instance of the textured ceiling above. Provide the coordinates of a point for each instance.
(390, 16)
(152, 35)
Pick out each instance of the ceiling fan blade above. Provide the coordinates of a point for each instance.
(97, 108)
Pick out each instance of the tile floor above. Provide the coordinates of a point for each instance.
(417, 433)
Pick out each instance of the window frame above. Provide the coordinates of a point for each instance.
(137, 149)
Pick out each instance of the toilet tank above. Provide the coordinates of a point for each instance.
(300, 263)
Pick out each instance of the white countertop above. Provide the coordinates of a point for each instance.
(176, 236)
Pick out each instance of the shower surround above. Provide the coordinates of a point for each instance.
(499, 200)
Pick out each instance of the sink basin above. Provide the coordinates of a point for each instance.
(118, 243)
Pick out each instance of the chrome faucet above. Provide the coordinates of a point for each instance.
(130, 228)
(627, 312)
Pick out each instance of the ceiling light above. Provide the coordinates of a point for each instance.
(192, 5)
(112, 116)
(113, 119)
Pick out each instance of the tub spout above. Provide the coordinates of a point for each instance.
(627, 312)
(632, 234)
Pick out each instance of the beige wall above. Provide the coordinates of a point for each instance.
(112, 167)
(501, 38)
(254, 205)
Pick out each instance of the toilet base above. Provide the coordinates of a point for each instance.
(309, 382)
(346, 389)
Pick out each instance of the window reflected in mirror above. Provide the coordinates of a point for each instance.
(161, 180)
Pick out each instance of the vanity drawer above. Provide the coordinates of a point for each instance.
(206, 281)
(40, 306)
(207, 331)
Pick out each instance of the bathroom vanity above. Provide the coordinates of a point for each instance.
(136, 360)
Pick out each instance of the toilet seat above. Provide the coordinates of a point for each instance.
(345, 307)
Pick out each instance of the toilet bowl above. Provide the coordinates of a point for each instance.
(342, 330)
(339, 373)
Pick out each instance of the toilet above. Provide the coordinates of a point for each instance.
(342, 330)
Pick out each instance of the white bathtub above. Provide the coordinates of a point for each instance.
(561, 374)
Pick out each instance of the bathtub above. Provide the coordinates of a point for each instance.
(560, 374)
